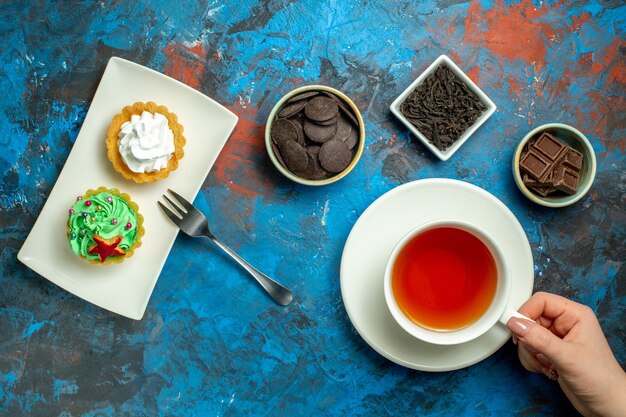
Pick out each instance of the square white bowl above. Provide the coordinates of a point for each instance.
(446, 154)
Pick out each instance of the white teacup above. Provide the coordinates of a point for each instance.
(498, 311)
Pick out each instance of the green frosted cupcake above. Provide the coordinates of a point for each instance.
(104, 226)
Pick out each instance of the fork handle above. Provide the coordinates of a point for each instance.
(278, 292)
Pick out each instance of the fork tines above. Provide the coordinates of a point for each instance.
(186, 204)
(176, 212)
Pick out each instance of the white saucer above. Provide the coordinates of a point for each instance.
(375, 234)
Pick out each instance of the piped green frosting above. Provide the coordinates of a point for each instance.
(105, 218)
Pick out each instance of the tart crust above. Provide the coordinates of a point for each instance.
(112, 139)
(140, 229)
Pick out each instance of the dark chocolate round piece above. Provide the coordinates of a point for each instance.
(283, 131)
(313, 149)
(298, 124)
(335, 156)
(321, 108)
(331, 95)
(291, 109)
(343, 107)
(346, 111)
(297, 118)
(277, 154)
(312, 171)
(318, 133)
(330, 121)
(309, 171)
(344, 128)
(317, 172)
(302, 96)
(295, 156)
(352, 139)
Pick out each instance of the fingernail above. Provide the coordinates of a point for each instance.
(514, 340)
(544, 361)
(550, 373)
(517, 326)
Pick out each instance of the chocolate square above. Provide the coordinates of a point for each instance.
(565, 179)
(573, 159)
(549, 167)
(542, 190)
(549, 146)
(529, 181)
(536, 164)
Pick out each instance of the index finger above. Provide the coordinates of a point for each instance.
(543, 304)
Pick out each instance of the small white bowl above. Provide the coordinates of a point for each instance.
(446, 154)
(571, 137)
(268, 137)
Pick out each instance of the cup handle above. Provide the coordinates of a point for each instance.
(508, 313)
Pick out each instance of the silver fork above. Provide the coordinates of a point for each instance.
(191, 221)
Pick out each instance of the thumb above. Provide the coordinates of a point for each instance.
(538, 338)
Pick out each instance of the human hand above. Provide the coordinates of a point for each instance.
(566, 343)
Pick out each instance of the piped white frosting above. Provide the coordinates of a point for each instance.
(146, 142)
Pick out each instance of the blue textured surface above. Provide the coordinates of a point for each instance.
(211, 343)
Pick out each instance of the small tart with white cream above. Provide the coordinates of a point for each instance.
(145, 142)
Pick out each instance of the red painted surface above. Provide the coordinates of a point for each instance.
(474, 73)
(513, 32)
(237, 167)
(185, 63)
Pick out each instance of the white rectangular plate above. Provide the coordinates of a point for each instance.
(125, 288)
